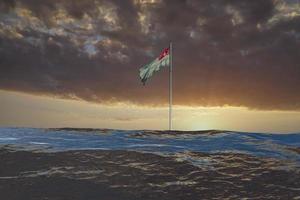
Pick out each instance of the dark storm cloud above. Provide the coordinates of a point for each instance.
(226, 52)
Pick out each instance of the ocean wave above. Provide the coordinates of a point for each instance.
(8, 138)
(39, 143)
(120, 174)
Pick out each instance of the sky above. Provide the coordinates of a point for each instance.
(75, 63)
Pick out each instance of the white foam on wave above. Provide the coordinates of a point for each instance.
(8, 138)
(39, 143)
(148, 145)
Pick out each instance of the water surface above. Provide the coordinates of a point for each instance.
(118, 164)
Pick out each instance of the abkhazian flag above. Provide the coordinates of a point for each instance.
(163, 60)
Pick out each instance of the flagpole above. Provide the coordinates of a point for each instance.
(170, 86)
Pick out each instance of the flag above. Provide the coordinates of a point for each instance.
(161, 61)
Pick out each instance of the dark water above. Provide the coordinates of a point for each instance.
(116, 164)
